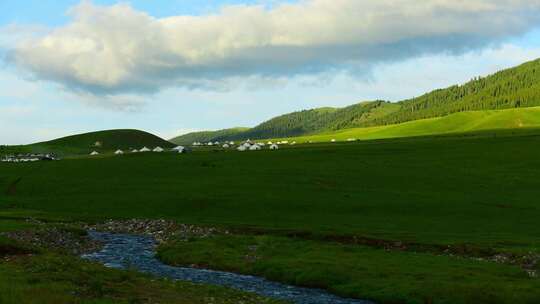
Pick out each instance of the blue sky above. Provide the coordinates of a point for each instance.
(248, 65)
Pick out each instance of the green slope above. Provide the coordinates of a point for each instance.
(206, 136)
(465, 122)
(511, 88)
(298, 123)
(109, 140)
(518, 87)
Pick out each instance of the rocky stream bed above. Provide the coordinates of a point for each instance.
(138, 252)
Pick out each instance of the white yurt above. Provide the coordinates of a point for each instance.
(274, 147)
(94, 153)
(144, 149)
(231, 143)
(216, 143)
(241, 148)
(333, 140)
(178, 148)
(158, 149)
(246, 145)
(119, 152)
(134, 151)
(270, 143)
(254, 147)
(226, 146)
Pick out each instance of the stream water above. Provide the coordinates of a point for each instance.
(138, 252)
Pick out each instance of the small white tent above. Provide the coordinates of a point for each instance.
(158, 149)
(94, 153)
(134, 151)
(226, 146)
(231, 143)
(254, 147)
(119, 152)
(241, 148)
(274, 147)
(179, 149)
(144, 149)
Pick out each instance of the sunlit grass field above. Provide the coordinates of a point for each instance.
(449, 189)
(464, 122)
(478, 191)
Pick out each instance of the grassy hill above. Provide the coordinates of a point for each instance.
(206, 136)
(297, 123)
(464, 122)
(101, 141)
(518, 87)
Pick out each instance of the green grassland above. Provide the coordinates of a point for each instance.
(360, 271)
(403, 189)
(82, 144)
(478, 192)
(36, 275)
(464, 122)
(52, 278)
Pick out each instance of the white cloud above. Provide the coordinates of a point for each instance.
(110, 50)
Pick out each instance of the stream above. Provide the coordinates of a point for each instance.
(123, 251)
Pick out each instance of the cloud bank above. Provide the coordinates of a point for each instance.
(110, 50)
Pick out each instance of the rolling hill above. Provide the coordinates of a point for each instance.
(206, 136)
(465, 122)
(517, 87)
(101, 141)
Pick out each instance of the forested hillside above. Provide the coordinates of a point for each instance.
(511, 88)
(206, 136)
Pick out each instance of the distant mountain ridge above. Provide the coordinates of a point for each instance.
(512, 88)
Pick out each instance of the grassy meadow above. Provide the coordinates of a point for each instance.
(104, 142)
(36, 275)
(448, 189)
(477, 194)
(457, 123)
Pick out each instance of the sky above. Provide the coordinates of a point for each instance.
(171, 67)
